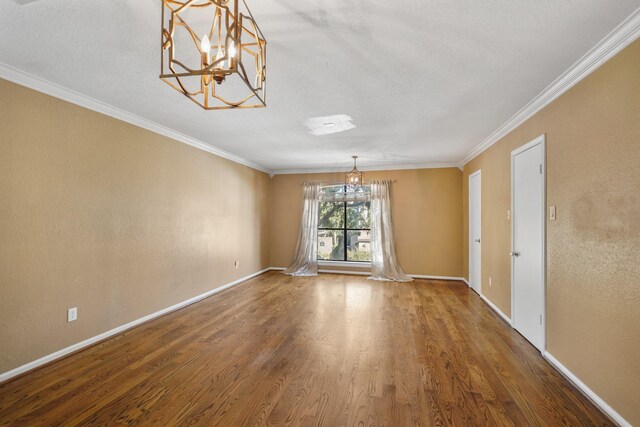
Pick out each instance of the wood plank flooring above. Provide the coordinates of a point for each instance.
(334, 350)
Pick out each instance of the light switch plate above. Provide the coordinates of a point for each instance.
(552, 213)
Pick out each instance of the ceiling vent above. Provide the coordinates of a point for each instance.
(329, 124)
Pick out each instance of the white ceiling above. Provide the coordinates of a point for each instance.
(425, 81)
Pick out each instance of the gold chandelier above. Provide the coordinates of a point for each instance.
(214, 53)
(354, 177)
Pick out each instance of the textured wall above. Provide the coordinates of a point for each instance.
(593, 258)
(113, 219)
(427, 215)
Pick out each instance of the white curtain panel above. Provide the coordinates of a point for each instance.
(384, 264)
(305, 262)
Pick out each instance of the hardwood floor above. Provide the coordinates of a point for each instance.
(335, 350)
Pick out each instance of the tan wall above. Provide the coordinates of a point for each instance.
(593, 260)
(427, 213)
(113, 219)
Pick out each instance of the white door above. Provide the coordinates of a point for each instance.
(528, 205)
(475, 192)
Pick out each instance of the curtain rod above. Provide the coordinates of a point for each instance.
(342, 182)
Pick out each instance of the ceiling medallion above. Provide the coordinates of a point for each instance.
(214, 53)
(354, 177)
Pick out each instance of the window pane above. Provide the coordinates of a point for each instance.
(331, 244)
(331, 215)
(359, 245)
(358, 214)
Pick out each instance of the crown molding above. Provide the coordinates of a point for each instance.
(389, 167)
(39, 84)
(621, 36)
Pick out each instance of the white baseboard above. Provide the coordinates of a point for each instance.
(82, 344)
(422, 276)
(357, 273)
(496, 309)
(597, 400)
(358, 264)
(368, 273)
(321, 270)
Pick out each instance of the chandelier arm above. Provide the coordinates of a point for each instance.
(255, 55)
(180, 87)
(245, 78)
(213, 26)
(253, 33)
(235, 104)
(239, 103)
(206, 3)
(189, 71)
(252, 19)
(219, 17)
(237, 24)
(225, 107)
(186, 5)
(193, 35)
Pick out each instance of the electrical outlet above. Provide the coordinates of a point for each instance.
(490, 284)
(72, 314)
(236, 264)
(508, 214)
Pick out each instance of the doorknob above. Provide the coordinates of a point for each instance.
(477, 240)
(516, 254)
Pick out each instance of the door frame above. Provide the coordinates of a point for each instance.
(473, 175)
(542, 141)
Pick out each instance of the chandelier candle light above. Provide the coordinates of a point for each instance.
(354, 177)
(214, 53)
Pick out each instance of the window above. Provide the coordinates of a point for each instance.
(343, 226)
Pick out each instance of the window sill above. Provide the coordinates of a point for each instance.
(363, 264)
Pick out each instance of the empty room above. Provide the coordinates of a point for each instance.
(319, 213)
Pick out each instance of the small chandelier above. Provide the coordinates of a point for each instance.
(354, 177)
(214, 53)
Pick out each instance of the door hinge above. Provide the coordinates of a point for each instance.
(541, 169)
(541, 319)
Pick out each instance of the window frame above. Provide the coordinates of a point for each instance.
(345, 230)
